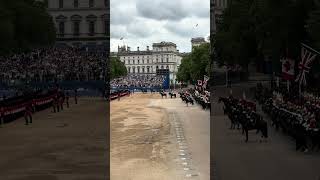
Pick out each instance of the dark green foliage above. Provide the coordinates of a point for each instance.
(194, 66)
(254, 29)
(117, 68)
(25, 24)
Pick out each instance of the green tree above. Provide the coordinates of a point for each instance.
(195, 65)
(117, 68)
(25, 24)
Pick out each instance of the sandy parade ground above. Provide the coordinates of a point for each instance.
(148, 143)
(70, 145)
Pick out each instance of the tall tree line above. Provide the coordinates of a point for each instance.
(25, 24)
(195, 65)
(253, 30)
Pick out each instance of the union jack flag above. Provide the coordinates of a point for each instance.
(307, 57)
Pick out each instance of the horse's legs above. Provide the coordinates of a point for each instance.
(246, 135)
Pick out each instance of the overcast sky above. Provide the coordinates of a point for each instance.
(143, 22)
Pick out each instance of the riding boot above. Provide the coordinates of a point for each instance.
(26, 120)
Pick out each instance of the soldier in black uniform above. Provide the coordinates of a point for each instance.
(67, 99)
(75, 96)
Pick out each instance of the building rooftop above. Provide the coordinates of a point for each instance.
(163, 43)
(197, 40)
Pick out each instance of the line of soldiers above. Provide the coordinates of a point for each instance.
(201, 97)
(297, 121)
(299, 117)
(243, 114)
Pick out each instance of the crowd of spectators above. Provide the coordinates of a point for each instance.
(138, 81)
(52, 64)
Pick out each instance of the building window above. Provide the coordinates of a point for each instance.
(138, 61)
(148, 61)
(162, 60)
(129, 69)
(91, 3)
(60, 3)
(61, 28)
(76, 28)
(91, 28)
(167, 59)
(167, 67)
(134, 69)
(142, 69)
(157, 67)
(143, 61)
(148, 69)
(138, 69)
(133, 61)
(161, 67)
(75, 3)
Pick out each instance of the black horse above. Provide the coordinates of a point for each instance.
(172, 95)
(248, 120)
(162, 93)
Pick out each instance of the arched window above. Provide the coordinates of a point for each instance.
(138, 69)
(157, 67)
(129, 69)
(161, 67)
(167, 67)
(134, 69)
(148, 69)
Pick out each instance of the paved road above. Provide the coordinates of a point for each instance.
(275, 159)
(69, 145)
(192, 123)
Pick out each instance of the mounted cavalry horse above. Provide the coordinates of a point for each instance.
(172, 95)
(244, 116)
(162, 93)
(186, 98)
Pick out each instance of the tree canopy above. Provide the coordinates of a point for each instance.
(254, 29)
(195, 65)
(117, 68)
(25, 24)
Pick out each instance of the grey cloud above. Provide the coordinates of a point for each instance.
(161, 9)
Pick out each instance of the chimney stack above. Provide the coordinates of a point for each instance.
(128, 48)
(147, 48)
(138, 48)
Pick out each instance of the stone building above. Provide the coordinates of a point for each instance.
(163, 55)
(81, 22)
(195, 42)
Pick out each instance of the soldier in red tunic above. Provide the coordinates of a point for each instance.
(28, 114)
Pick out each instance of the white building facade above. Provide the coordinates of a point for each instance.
(80, 22)
(164, 55)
